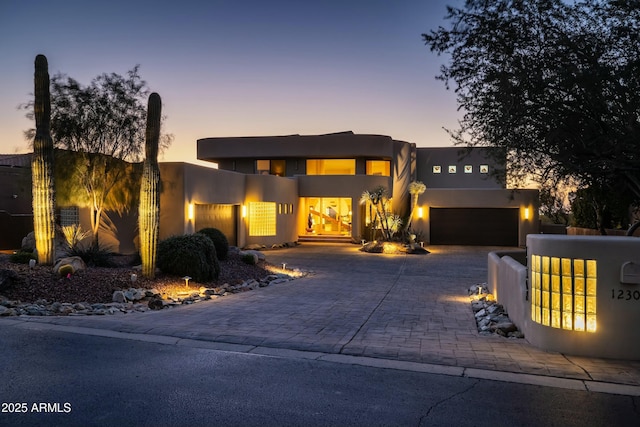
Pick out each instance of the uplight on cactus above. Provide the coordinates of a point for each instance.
(149, 210)
(42, 167)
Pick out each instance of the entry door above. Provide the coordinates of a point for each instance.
(329, 216)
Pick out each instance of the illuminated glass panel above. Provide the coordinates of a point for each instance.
(563, 292)
(262, 219)
(331, 167)
(69, 216)
(379, 167)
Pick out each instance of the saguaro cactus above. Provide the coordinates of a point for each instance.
(149, 210)
(42, 167)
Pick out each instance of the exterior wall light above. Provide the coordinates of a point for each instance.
(526, 213)
(420, 212)
(244, 211)
(190, 212)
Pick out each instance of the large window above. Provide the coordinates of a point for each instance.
(328, 216)
(262, 219)
(331, 167)
(379, 167)
(271, 167)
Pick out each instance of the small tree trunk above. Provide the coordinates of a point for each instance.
(42, 167)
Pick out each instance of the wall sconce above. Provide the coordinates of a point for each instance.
(526, 213)
(244, 211)
(420, 212)
(190, 212)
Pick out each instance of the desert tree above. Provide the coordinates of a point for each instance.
(554, 84)
(104, 124)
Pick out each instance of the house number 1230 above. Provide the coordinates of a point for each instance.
(625, 294)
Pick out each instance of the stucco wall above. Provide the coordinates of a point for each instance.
(617, 296)
(458, 157)
(282, 191)
(617, 306)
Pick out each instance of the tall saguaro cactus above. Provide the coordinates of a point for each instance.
(42, 167)
(149, 210)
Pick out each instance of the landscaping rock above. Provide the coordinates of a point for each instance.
(118, 296)
(69, 265)
(491, 317)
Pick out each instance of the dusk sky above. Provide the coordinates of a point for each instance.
(241, 67)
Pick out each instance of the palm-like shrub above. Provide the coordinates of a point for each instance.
(219, 241)
(192, 255)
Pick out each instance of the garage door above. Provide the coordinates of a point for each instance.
(222, 217)
(474, 226)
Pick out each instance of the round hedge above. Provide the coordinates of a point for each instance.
(192, 255)
(219, 241)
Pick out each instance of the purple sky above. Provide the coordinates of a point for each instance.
(241, 67)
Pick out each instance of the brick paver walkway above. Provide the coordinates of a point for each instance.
(401, 307)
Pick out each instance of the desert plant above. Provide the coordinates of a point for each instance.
(379, 199)
(192, 255)
(73, 235)
(416, 188)
(149, 209)
(249, 259)
(219, 241)
(42, 166)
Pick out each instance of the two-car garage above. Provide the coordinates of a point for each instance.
(480, 217)
(474, 226)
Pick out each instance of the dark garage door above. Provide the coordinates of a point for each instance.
(474, 226)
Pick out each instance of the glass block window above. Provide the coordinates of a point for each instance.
(69, 216)
(563, 292)
(262, 219)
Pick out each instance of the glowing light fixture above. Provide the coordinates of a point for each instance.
(526, 213)
(244, 211)
(190, 211)
(420, 212)
(186, 281)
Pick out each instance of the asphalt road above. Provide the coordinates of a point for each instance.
(52, 378)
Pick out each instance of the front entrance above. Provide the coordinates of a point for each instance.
(328, 216)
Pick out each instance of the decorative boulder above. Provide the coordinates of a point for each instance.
(69, 265)
(260, 255)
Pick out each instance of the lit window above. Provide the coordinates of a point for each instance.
(452, 169)
(484, 168)
(271, 167)
(331, 167)
(262, 219)
(379, 167)
(437, 169)
(468, 169)
(563, 292)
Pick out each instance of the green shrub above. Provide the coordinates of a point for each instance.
(192, 255)
(249, 259)
(219, 241)
(22, 257)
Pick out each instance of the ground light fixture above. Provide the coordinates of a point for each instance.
(186, 281)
